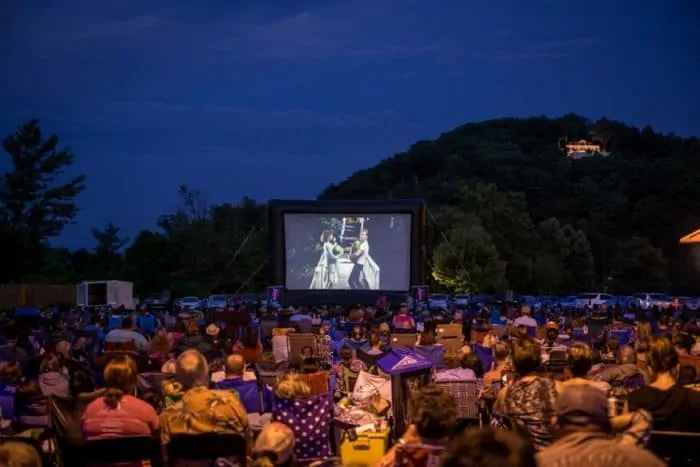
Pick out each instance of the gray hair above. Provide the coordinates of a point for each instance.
(191, 369)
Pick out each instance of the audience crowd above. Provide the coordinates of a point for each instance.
(268, 387)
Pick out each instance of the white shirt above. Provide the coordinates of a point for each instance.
(364, 247)
(527, 321)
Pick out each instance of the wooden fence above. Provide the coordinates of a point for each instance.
(36, 295)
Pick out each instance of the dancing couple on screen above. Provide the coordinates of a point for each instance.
(357, 254)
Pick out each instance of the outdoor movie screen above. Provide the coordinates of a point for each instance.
(347, 252)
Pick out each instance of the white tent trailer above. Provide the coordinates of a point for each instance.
(106, 293)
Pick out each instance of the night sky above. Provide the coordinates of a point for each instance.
(280, 98)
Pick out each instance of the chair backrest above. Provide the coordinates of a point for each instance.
(122, 449)
(466, 394)
(319, 382)
(298, 342)
(282, 331)
(125, 346)
(200, 447)
(403, 340)
(269, 373)
(449, 335)
(311, 421)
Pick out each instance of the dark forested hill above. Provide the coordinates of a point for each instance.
(507, 209)
(510, 209)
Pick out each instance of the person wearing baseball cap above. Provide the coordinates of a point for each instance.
(586, 434)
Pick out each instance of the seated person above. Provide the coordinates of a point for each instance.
(118, 412)
(126, 334)
(403, 319)
(454, 371)
(202, 410)
(433, 413)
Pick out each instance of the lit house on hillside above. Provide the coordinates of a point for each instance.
(582, 148)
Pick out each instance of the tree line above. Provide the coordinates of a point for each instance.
(507, 210)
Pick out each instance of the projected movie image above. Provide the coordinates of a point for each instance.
(348, 252)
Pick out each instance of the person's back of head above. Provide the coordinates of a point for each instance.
(50, 364)
(662, 355)
(628, 355)
(308, 366)
(433, 412)
(526, 356)
(580, 359)
(427, 338)
(120, 379)
(19, 454)
(489, 448)
(235, 365)
(472, 362)
(274, 446)
(500, 351)
(453, 358)
(290, 386)
(191, 369)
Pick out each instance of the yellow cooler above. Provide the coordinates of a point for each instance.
(368, 448)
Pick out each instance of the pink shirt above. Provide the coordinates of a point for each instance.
(131, 417)
(404, 322)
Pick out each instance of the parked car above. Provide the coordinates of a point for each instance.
(651, 300)
(191, 303)
(567, 302)
(461, 300)
(591, 299)
(439, 301)
(157, 301)
(217, 301)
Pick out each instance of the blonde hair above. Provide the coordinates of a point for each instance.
(19, 454)
(274, 445)
(171, 387)
(291, 386)
(168, 367)
(490, 339)
(644, 331)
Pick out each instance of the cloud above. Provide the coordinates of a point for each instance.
(542, 50)
(126, 115)
(365, 29)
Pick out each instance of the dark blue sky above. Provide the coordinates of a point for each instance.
(280, 98)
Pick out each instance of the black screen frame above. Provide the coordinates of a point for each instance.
(278, 267)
